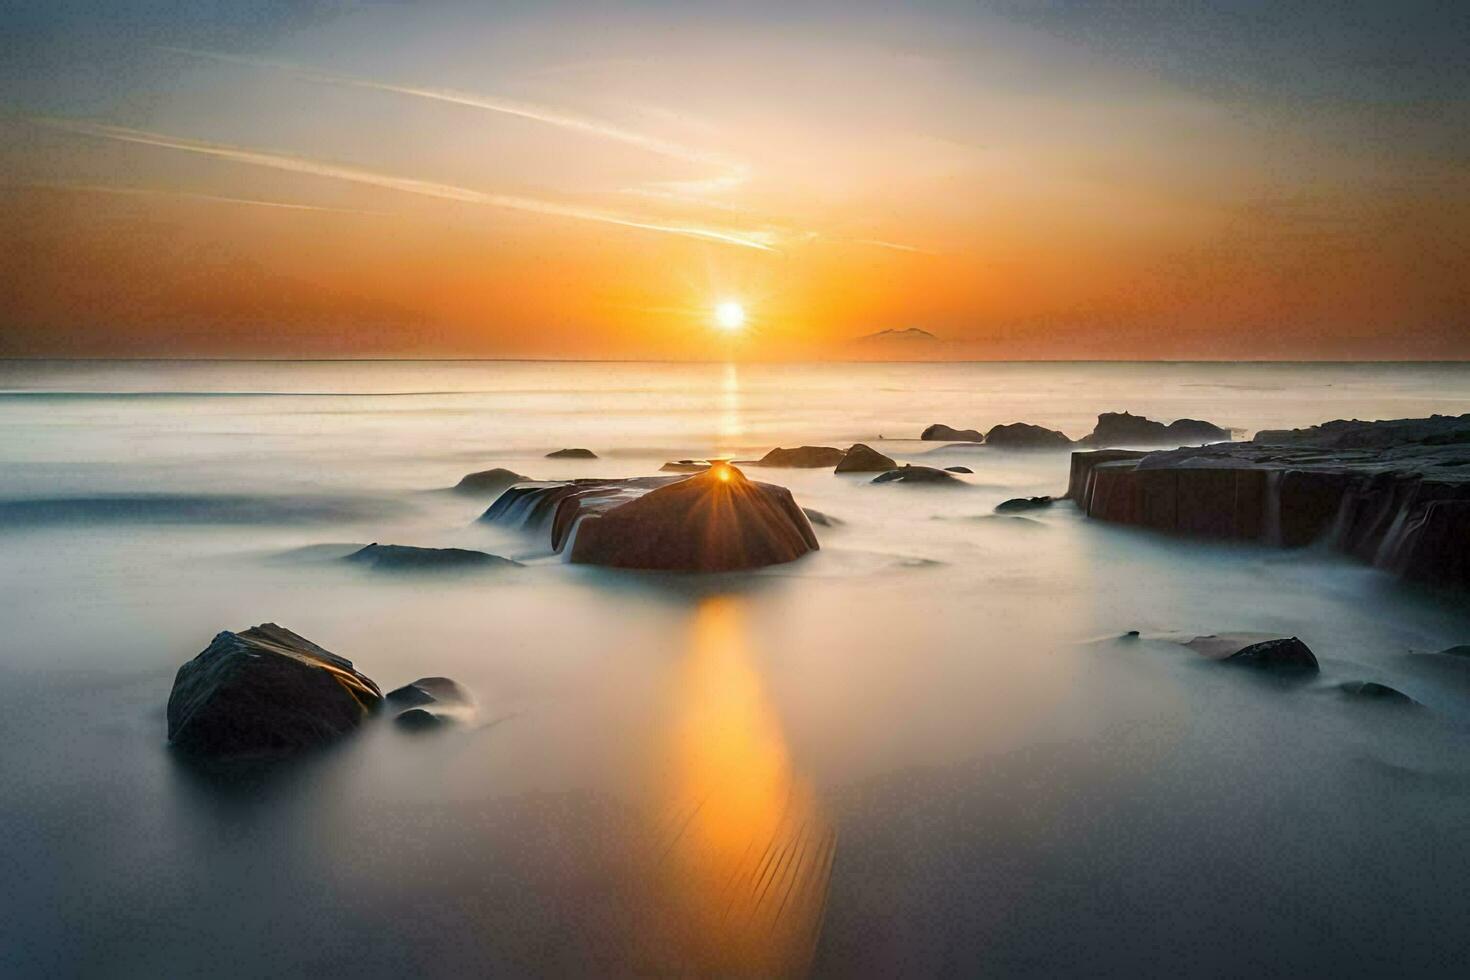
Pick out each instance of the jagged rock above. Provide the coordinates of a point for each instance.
(1379, 693)
(810, 457)
(1396, 494)
(817, 517)
(1016, 504)
(399, 557)
(1286, 654)
(1023, 435)
(864, 459)
(919, 474)
(266, 691)
(938, 432)
(713, 521)
(685, 466)
(486, 482)
(572, 454)
(1123, 429)
(959, 469)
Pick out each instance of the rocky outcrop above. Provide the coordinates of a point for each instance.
(864, 459)
(804, 457)
(398, 557)
(266, 691)
(572, 454)
(487, 482)
(1018, 504)
(1123, 429)
(1396, 494)
(1285, 654)
(430, 702)
(1023, 435)
(920, 474)
(718, 520)
(938, 432)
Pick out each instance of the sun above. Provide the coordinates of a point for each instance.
(729, 315)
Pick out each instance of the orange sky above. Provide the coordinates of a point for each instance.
(422, 181)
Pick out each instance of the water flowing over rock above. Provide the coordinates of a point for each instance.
(572, 454)
(266, 691)
(398, 557)
(487, 482)
(1395, 494)
(1023, 435)
(718, 520)
(809, 457)
(861, 458)
(939, 432)
(920, 474)
(1123, 429)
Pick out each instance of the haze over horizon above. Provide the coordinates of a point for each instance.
(1144, 180)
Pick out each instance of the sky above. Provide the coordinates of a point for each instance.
(1022, 179)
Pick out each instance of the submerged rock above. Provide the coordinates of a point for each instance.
(428, 690)
(810, 457)
(959, 469)
(1396, 494)
(1286, 654)
(572, 454)
(1123, 429)
(819, 518)
(266, 691)
(1017, 504)
(861, 458)
(685, 466)
(938, 432)
(419, 720)
(1379, 693)
(1023, 435)
(718, 520)
(919, 474)
(399, 557)
(489, 481)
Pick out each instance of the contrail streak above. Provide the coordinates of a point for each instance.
(408, 185)
(191, 195)
(510, 107)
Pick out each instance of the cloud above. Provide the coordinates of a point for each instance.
(449, 192)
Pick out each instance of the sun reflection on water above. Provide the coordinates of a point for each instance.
(745, 851)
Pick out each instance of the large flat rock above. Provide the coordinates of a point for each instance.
(1394, 493)
(717, 520)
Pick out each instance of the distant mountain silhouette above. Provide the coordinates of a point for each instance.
(910, 335)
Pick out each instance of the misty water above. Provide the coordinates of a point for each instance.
(923, 748)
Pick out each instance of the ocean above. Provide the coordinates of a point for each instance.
(924, 748)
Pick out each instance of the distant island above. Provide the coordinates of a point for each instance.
(912, 334)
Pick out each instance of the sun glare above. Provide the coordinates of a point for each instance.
(730, 315)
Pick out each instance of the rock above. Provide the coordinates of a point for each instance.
(419, 720)
(943, 433)
(864, 459)
(1379, 693)
(1130, 635)
(811, 457)
(1396, 494)
(1123, 429)
(685, 466)
(713, 521)
(428, 690)
(1285, 654)
(486, 482)
(1023, 435)
(266, 691)
(1017, 504)
(959, 469)
(817, 517)
(572, 454)
(1463, 650)
(399, 557)
(919, 474)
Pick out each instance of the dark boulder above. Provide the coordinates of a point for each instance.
(1023, 435)
(419, 720)
(806, 457)
(919, 474)
(864, 459)
(266, 691)
(1285, 654)
(1124, 429)
(486, 482)
(939, 432)
(1377, 693)
(428, 690)
(572, 454)
(959, 469)
(399, 557)
(1017, 504)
